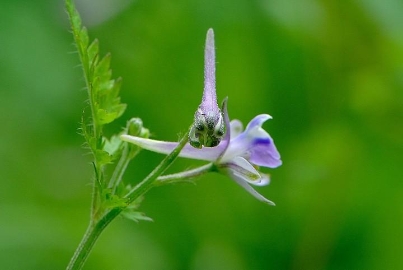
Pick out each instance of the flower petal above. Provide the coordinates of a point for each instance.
(250, 189)
(264, 153)
(255, 144)
(236, 128)
(264, 180)
(243, 169)
(258, 121)
(162, 147)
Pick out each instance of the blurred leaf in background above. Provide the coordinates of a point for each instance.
(329, 72)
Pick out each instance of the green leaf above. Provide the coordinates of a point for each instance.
(103, 66)
(111, 200)
(116, 86)
(102, 157)
(130, 212)
(119, 109)
(106, 117)
(135, 216)
(84, 37)
(103, 96)
(75, 19)
(113, 146)
(92, 51)
(103, 92)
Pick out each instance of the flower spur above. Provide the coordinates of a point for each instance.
(208, 128)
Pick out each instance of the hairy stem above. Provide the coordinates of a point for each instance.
(184, 176)
(96, 226)
(120, 169)
(148, 182)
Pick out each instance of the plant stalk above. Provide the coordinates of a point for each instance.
(96, 226)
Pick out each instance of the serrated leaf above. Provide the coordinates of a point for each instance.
(117, 85)
(74, 16)
(95, 86)
(103, 65)
(102, 157)
(105, 86)
(103, 93)
(113, 146)
(93, 50)
(111, 200)
(84, 38)
(135, 216)
(76, 21)
(120, 109)
(105, 117)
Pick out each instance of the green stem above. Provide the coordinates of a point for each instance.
(94, 230)
(184, 176)
(96, 227)
(94, 200)
(148, 182)
(76, 28)
(120, 169)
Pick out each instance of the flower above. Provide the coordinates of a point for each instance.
(238, 155)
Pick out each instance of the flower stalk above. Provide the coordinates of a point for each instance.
(185, 175)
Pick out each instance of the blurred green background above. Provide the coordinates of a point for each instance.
(329, 72)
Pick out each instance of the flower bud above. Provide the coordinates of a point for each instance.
(135, 128)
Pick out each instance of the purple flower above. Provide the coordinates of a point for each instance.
(238, 155)
(208, 127)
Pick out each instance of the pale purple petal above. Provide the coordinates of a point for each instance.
(162, 147)
(243, 169)
(264, 180)
(236, 128)
(241, 144)
(255, 144)
(250, 189)
(264, 153)
(258, 121)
